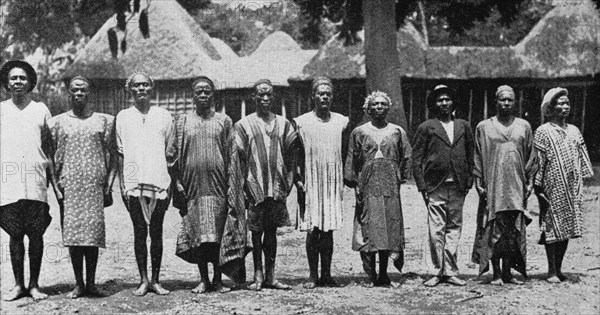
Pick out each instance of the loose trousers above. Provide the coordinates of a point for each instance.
(445, 214)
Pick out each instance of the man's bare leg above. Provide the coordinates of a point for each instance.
(368, 260)
(36, 251)
(204, 284)
(312, 253)
(156, 247)
(551, 257)
(326, 252)
(218, 280)
(561, 249)
(497, 271)
(257, 248)
(507, 276)
(76, 253)
(384, 278)
(270, 251)
(17, 258)
(140, 233)
(91, 262)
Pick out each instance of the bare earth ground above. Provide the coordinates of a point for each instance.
(117, 273)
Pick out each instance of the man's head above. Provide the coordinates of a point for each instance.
(322, 93)
(203, 92)
(79, 90)
(140, 85)
(18, 77)
(377, 105)
(441, 100)
(556, 103)
(505, 100)
(263, 95)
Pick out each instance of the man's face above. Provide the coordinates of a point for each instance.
(18, 82)
(203, 94)
(444, 104)
(505, 103)
(140, 87)
(79, 92)
(323, 97)
(378, 107)
(562, 108)
(263, 97)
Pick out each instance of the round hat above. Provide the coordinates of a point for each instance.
(9, 65)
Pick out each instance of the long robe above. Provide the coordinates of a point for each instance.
(563, 163)
(502, 162)
(322, 169)
(82, 153)
(204, 147)
(378, 162)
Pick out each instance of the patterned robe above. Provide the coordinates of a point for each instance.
(378, 162)
(82, 150)
(563, 162)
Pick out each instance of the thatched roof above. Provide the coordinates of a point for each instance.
(565, 43)
(223, 49)
(178, 48)
(277, 58)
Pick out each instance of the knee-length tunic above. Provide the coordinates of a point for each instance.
(378, 163)
(323, 174)
(502, 162)
(82, 151)
(203, 146)
(563, 162)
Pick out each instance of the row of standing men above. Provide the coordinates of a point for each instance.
(228, 179)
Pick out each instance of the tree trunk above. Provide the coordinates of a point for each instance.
(381, 53)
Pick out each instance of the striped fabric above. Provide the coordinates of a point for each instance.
(323, 180)
(563, 162)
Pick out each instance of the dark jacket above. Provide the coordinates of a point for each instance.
(434, 157)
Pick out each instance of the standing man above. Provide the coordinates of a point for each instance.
(503, 181)
(377, 164)
(266, 146)
(442, 167)
(146, 145)
(204, 140)
(85, 164)
(321, 134)
(25, 146)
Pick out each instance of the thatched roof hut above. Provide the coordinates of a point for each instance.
(177, 51)
(563, 49)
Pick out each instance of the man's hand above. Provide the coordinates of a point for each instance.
(481, 191)
(300, 186)
(122, 188)
(358, 195)
(179, 187)
(529, 191)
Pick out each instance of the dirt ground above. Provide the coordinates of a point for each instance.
(117, 273)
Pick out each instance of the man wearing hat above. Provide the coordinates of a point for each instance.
(265, 145)
(24, 152)
(320, 131)
(442, 167)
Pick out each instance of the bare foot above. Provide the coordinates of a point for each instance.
(256, 286)
(515, 281)
(497, 281)
(142, 289)
(310, 285)
(220, 288)
(561, 276)
(93, 291)
(394, 284)
(276, 285)
(15, 293)
(328, 282)
(553, 279)
(456, 281)
(76, 293)
(158, 289)
(201, 288)
(36, 294)
(369, 284)
(383, 281)
(433, 281)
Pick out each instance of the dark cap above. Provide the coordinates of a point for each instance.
(9, 65)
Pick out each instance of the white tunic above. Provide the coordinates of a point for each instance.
(323, 170)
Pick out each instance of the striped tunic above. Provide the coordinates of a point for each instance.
(266, 157)
(203, 147)
(323, 174)
(563, 162)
